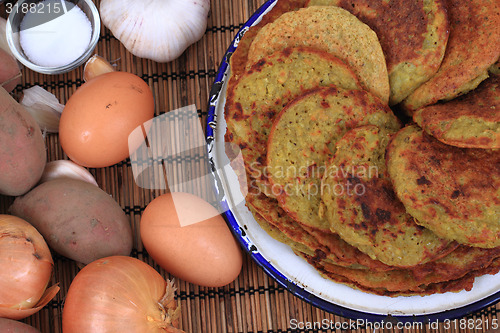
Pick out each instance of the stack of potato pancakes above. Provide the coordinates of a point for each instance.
(370, 132)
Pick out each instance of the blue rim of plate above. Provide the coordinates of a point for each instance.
(240, 233)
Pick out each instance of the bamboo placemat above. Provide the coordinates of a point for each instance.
(252, 303)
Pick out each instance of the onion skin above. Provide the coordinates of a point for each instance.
(27, 265)
(118, 294)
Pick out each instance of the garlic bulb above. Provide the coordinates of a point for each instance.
(66, 169)
(44, 107)
(160, 30)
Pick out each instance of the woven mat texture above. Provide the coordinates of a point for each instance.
(254, 302)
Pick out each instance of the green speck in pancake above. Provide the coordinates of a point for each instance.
(333, 30)
(362, 208)
(303, 138)
(453, 191)
(469, 121)
(473, 46)
(413, 36)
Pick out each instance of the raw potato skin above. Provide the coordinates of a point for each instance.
(14, 326)
(22, 148)
(10, 74)
(77, 219)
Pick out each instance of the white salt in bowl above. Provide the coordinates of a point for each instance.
(23, 7)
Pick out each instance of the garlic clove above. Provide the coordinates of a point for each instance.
(66, 169)
(96, 66)
(44, 107)
(156, 29)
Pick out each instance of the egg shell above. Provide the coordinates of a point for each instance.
(204, 253)
(99, 117)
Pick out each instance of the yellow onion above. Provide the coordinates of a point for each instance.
(120, 294)
(26, 267)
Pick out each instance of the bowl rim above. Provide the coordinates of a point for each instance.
(96, 32)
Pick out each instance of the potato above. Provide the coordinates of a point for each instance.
(14, 326)
(10, 75)
(22, 148)
(77, 219)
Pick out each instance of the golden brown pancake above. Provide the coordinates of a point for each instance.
(303, 138)
(278, 235)
(402, 282)
(473, 46)
(238, 59)
(269, 210)
(362, 208)
(250, 132)
(455, 192)
(412, 33)
(326, 245)
(262, 92)
(333, 30)
(470, 121)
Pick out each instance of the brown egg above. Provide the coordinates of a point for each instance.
(188, 238)
(98, 118)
